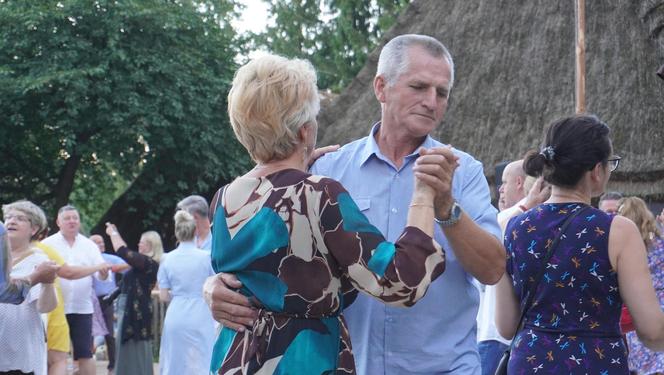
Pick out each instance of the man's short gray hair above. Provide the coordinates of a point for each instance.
(393, 59)
(67, 207)
(194, 204)
(610, 196)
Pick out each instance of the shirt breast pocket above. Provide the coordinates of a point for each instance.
(363, 204)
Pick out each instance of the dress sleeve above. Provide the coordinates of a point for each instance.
(397, 273)
(135, 259)
(14, 291)
(162, 277)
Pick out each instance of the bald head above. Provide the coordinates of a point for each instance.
(99, 241)
(511, 190)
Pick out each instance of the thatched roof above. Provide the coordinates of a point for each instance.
(515, 73)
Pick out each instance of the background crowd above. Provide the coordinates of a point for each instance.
(62, 291)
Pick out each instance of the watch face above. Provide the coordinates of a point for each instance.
(456, 211)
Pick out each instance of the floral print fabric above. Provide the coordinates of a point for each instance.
(302, 249)
(572, 326)
(641, 359)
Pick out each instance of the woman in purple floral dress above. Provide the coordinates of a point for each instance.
(641, 359)
(572, 325)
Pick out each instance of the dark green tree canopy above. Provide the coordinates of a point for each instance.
(335, 35)
(95, 94)
(119, 106)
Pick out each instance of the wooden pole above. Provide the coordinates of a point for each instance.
(580, 11)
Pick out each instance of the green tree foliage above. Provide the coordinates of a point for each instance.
(335, 35)
(97, 94)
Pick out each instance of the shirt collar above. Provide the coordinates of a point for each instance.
(186, 245)
(62, 237)
(371, 146)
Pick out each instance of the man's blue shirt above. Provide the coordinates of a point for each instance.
(104, 287)
(438, 334)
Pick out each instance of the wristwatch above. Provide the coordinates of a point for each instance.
(455, 215)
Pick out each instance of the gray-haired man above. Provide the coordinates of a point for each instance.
(198, 207)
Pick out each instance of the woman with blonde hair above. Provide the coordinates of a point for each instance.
(189, 330)
(298, 242)
(134, 340)
(641, 359)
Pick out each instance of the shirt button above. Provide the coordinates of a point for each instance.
(394, 210)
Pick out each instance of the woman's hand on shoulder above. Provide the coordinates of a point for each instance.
(317, 153)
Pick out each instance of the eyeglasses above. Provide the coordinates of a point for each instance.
(21, 218)
(614, 162)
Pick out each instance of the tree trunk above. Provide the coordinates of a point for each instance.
(133, 214)
(65, 183)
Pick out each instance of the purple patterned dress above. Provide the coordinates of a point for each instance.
(641, 359)
(573, 325)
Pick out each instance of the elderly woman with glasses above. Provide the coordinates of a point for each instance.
(572, 266)
(23, 344)
(13, 290)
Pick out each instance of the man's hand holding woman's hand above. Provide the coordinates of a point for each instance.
(44, 273)
(435, 167)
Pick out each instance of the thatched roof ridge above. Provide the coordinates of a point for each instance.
(515, 73)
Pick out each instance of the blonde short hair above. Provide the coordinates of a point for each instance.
(33, 212)
(156, 246)
(635, 209)
(271, 98)
(185, 226)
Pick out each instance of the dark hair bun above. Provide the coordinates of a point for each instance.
(534, 163)
(571, 147)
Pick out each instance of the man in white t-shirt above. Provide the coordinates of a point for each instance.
(78, 251)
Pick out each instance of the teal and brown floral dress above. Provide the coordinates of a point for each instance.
(302, 249)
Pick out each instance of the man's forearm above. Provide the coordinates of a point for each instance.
(479, 252)
(76, 272)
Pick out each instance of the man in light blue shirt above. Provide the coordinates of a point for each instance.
(438, 335)
(106, 291)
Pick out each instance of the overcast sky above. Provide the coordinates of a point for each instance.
(254, 16)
